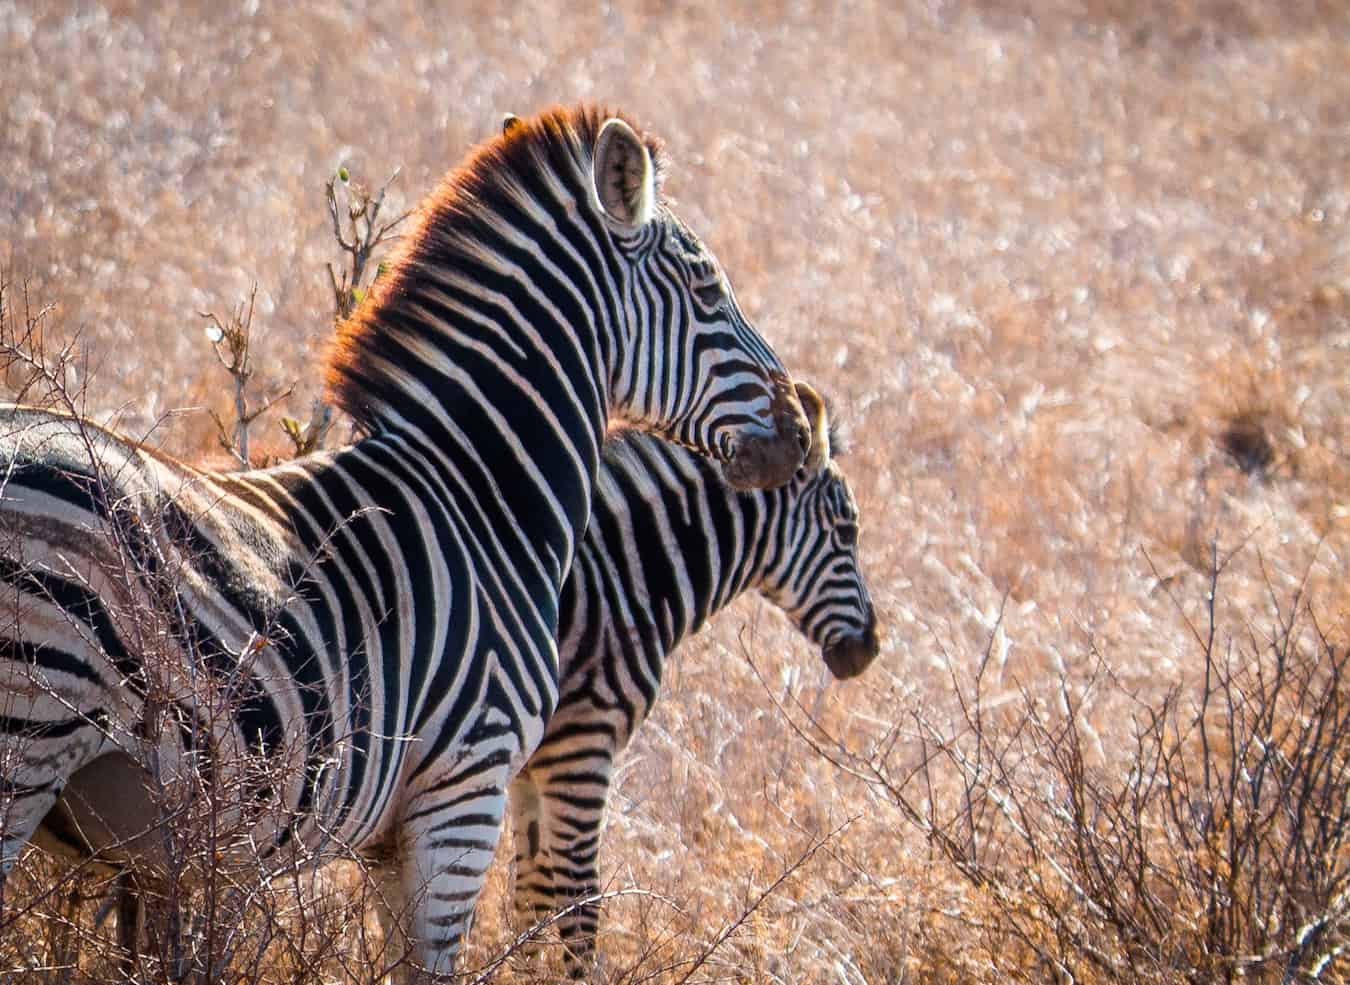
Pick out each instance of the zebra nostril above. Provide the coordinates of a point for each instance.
(726, 446)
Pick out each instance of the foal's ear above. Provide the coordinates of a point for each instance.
(813, 404)
(625, 185)
(509, 122)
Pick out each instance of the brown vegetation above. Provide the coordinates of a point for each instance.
(1078, 275)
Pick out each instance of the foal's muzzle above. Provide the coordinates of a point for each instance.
(851, 655)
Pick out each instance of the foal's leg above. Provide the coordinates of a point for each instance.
(572, 797)
(532, 894)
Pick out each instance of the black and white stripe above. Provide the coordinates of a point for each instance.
(669, 545)
(357, 648)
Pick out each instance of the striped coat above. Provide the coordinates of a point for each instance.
(669, 545)
(356, 650)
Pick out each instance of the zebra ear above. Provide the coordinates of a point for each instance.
(813, 404)
(624, 180)
(509, 122)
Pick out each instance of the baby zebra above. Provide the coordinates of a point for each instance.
(669, 545)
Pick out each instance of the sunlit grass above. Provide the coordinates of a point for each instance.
(1076, 274)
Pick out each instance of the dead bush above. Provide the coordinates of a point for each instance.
(1212, 846)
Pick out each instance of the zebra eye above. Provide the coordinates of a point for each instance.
(709, 295)
(848, 535)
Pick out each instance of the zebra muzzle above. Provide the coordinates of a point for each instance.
(765, 458)
(851, 655)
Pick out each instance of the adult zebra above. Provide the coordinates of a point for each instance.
(669, 545)
(380, 620)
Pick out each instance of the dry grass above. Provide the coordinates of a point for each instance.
(1078, 273)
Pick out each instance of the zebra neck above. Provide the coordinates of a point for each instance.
(671, 544)
(751, 546)
(513, 418)
(490, 345)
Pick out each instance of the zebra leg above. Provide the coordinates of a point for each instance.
(449, 834)
(128, 901)
(34, 769)
(532, 895)
(571, 800)
(391, 909)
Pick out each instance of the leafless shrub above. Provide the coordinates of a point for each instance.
(667, 953)
(37, 369)
(209, 911)
(230, 340)
(355, 213)
(359, 232)
(1211, 847)
(192, 803)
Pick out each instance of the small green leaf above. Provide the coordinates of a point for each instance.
(343, 175)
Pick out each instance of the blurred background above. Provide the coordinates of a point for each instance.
(1075, 273)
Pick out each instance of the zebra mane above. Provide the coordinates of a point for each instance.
(560, 140)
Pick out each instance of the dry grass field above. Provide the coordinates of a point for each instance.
(1077, 274)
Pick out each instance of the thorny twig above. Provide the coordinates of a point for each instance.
(231, 341)
(363, 234)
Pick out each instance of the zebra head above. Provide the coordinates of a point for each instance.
(547, 276)
(816, 578)
(693, 367)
